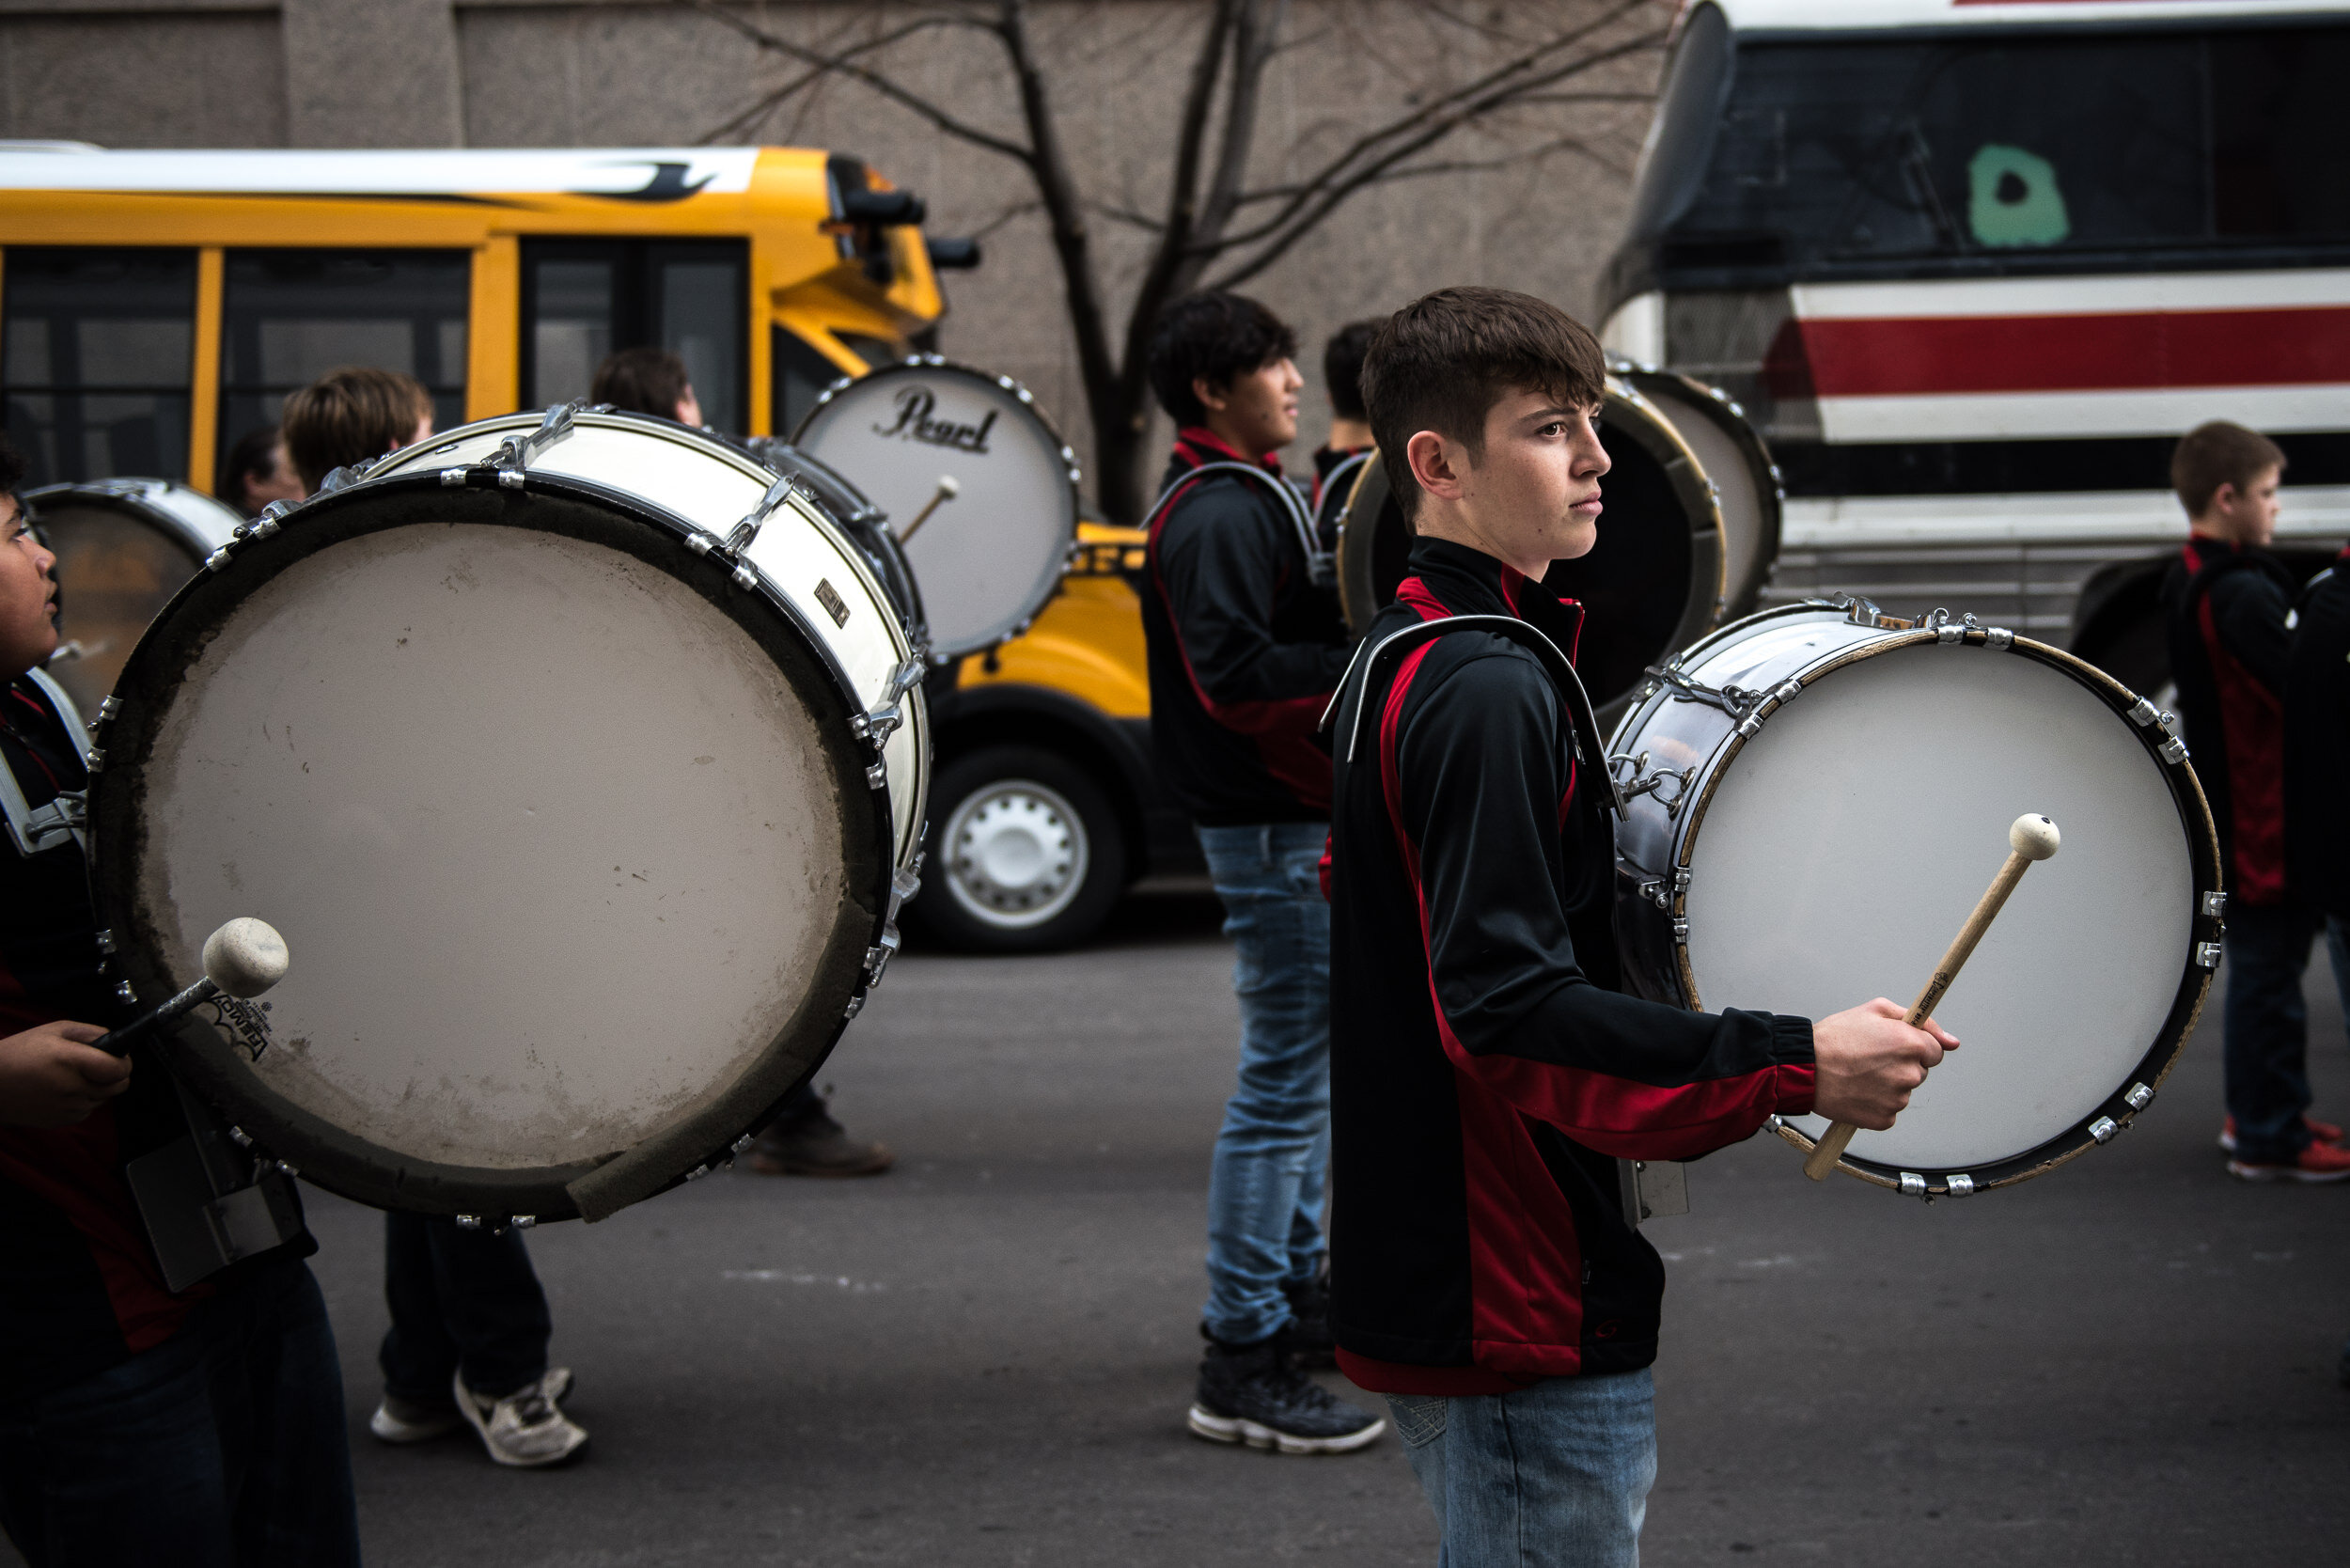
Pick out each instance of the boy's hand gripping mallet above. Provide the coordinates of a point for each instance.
(2030, 839)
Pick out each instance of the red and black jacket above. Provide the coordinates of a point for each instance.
(2317, 744)
(2226, 609)
(1485, 1073)
(1245, 648)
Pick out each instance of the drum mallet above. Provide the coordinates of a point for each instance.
(242, 959)
(948, 489)
(2030, 839)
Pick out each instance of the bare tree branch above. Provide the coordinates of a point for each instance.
(847, 65)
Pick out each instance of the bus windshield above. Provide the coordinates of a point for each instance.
(1968, 148)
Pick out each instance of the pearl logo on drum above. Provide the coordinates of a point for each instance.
(915, 407)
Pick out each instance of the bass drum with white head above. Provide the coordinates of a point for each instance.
(1653, 584)
(1818, 796)
(123, 548)
(866, 525)
(580, 763)
(979, 491)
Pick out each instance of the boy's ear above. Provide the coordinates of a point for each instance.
(1433, 464)
(1210, 394)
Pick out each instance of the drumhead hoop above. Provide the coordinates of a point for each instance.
(1739, 463)
(992, 555)
(595, 562)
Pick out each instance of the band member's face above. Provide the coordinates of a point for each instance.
(2248, 516)
(1258, 412)
(1536, 491)
(28, 599)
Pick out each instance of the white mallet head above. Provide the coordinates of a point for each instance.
(2034, 838)
(948, 488)
(245, 957)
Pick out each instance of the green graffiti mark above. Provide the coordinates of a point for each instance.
(2013, 199)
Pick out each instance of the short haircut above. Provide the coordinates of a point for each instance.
(11, 471)
(254, 455)
(1216, 338)
(353, 414)
(1343, 367)
(2219, 453)
(1443, 361)
(641, 381)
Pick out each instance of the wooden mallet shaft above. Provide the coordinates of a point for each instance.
(2028, 839)
(948, 489)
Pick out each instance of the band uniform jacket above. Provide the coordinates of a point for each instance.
(1245, 648)
(1485, 1072)
(2225, 609)
(2317, 744)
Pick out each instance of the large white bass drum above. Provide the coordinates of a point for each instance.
(580, 763)
(123, 548)
(1819, 795)
(979, 491)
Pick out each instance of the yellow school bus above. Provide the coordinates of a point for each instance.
(154, 307)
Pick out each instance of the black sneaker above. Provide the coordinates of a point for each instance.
(1255, 1394)
(811, 1143)
(1310, 1344)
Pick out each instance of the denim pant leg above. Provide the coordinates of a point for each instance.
(2337, 956)
(1272, 1153)
(2267, 1030)
(461, 1300)
(1553, 1475)
(223, 1447)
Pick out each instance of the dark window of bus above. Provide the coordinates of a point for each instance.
(875, 352)
(800, 376)
(97, 355)
(582, 299)
(287, 316)
(2009, 147)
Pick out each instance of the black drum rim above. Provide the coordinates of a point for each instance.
(204, 1055)
(2189, 997)
(1042, 593)
(1716, 407)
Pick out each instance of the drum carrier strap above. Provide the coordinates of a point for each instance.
(63, 819)
(1321, 566)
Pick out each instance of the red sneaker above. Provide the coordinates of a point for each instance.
(2319, 1162)
(2320, 1132)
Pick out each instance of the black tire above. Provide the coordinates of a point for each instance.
(1046, 815)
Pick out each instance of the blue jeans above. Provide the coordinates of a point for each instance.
(2267, 1030)
(461, 1300)
(1553, 1476)
(221, 1447)
(1272, 1152)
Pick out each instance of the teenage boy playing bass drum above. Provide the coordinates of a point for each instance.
(1485, 1073)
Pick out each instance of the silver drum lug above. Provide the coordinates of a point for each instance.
(2139, 1096)
(1913, 1185)
(2104, 1128)
(1961, 1184)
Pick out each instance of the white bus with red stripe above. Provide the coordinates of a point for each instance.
(1972, 266)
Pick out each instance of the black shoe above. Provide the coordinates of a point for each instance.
(811, 1143)
(1310, 1343)
(1255, 1394)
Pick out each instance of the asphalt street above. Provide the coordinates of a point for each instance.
(983, 1357)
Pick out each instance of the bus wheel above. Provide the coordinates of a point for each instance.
(1027, 855)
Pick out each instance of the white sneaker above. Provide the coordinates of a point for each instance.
(400, 1420)
(524, 1429)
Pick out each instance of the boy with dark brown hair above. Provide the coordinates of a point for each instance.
(2227, 600)
(351, 415)
(1486, 1074)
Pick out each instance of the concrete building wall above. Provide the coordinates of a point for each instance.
(528, 73)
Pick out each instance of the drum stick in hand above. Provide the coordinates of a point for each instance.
(243, 958)
(2030, 839)
(948, 491)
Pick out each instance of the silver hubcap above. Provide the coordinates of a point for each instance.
(1016, 854)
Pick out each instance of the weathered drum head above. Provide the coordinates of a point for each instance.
(1653, 584)
(988, 560)
(1746, 480)
(123, 548)
(566, 829)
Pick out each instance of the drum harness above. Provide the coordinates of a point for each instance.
(1322, 568)
(207, 1202)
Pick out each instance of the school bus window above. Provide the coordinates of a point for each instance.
(876, 352)
(583, 298)
(97, 348)
(287, 316)
(801, 375)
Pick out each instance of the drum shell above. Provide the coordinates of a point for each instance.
(1739, 464)
(205, 1056)
(864, 523)
(1658, 844)
(1369, 558)
(646, 458)
(187, 525)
